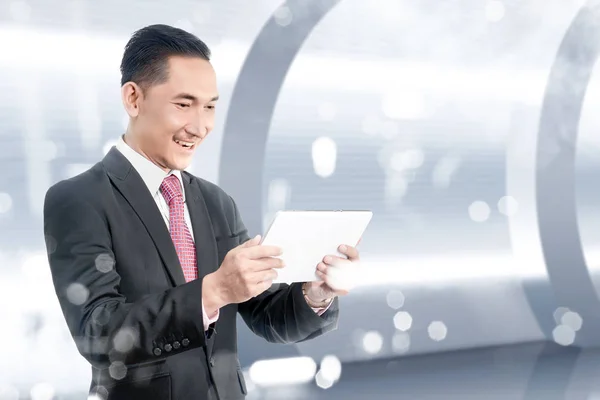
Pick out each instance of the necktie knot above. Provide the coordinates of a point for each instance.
(171, 188)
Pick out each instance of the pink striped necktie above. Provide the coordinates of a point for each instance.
(182, 238)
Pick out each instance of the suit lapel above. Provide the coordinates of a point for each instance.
(130, 184)
(204, 237)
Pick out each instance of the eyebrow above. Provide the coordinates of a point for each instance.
(190, 97)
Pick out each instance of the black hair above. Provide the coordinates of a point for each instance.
(146, 57)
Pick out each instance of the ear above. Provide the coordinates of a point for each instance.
(131, 95)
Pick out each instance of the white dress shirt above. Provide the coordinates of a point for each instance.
(153, 176)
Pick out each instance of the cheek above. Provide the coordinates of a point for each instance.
(174, 121)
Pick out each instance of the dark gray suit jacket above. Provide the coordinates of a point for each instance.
(124, 296)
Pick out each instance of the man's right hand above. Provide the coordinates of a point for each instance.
(246, 271)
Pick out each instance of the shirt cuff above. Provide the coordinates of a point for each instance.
(321, 310)
(209, 320)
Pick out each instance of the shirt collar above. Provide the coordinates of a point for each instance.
(151, 174)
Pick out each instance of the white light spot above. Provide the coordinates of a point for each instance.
(401, 342)
(279, 194)
(77, 293)
(117, 370)
(42, 391)
(322, 381)
(324, 155)
(508, 206)
(124, 340)
(20, 11)
(409, 159)
(9, 393)
(100, 315)
(371, 124)
(403, 321)
(331, 368)
(396, 187)
(564, 335)
(403, 104)
(327, 111)
(372, 342)
(395, 299)
(479, 211)
(437, 331)
(50, 244)
(108, 145)
(5, 202)
(573, 320)
(283, 16)
(444, 171)
(98, 393)
(283, 371)
(495, 10)
(104, 263)
(558, 314)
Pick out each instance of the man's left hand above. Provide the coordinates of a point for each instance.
(335, 274)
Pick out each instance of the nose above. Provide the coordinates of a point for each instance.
(201, 126)
(196, 130)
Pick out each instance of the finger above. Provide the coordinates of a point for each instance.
(321, 267)
(334, 260)
(267, 263)
(267, 275)
(252, 242)
(349, 251)
(339, 280)
(262, 251)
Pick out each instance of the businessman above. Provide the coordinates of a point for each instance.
(151, 264)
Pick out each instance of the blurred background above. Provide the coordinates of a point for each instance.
(428, 113)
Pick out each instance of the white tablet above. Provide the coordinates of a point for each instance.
(307, 236)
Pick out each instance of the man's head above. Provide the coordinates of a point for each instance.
(169, 90)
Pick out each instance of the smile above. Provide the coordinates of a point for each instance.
(187, 145)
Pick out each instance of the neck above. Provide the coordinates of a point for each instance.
(130, 140)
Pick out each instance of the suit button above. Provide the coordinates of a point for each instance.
(212, 362)
(168, 347)
(185, 342)
(176, 345)
(157, 352)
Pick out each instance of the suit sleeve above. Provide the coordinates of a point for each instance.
(280, 314)
(105, 325)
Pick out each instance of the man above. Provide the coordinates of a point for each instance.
(151, 264)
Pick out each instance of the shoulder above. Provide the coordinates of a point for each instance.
(81, 187)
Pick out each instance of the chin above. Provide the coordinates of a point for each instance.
(180, 164)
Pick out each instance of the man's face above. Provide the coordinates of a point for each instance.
(171, 119)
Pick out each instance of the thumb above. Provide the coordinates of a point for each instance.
(252, 242)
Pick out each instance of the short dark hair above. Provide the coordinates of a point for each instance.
(146, 56)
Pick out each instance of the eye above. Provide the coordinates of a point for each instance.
(211, 107)
(183, 105)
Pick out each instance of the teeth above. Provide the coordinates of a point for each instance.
(186, 144)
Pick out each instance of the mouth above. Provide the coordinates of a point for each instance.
(185, 145)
